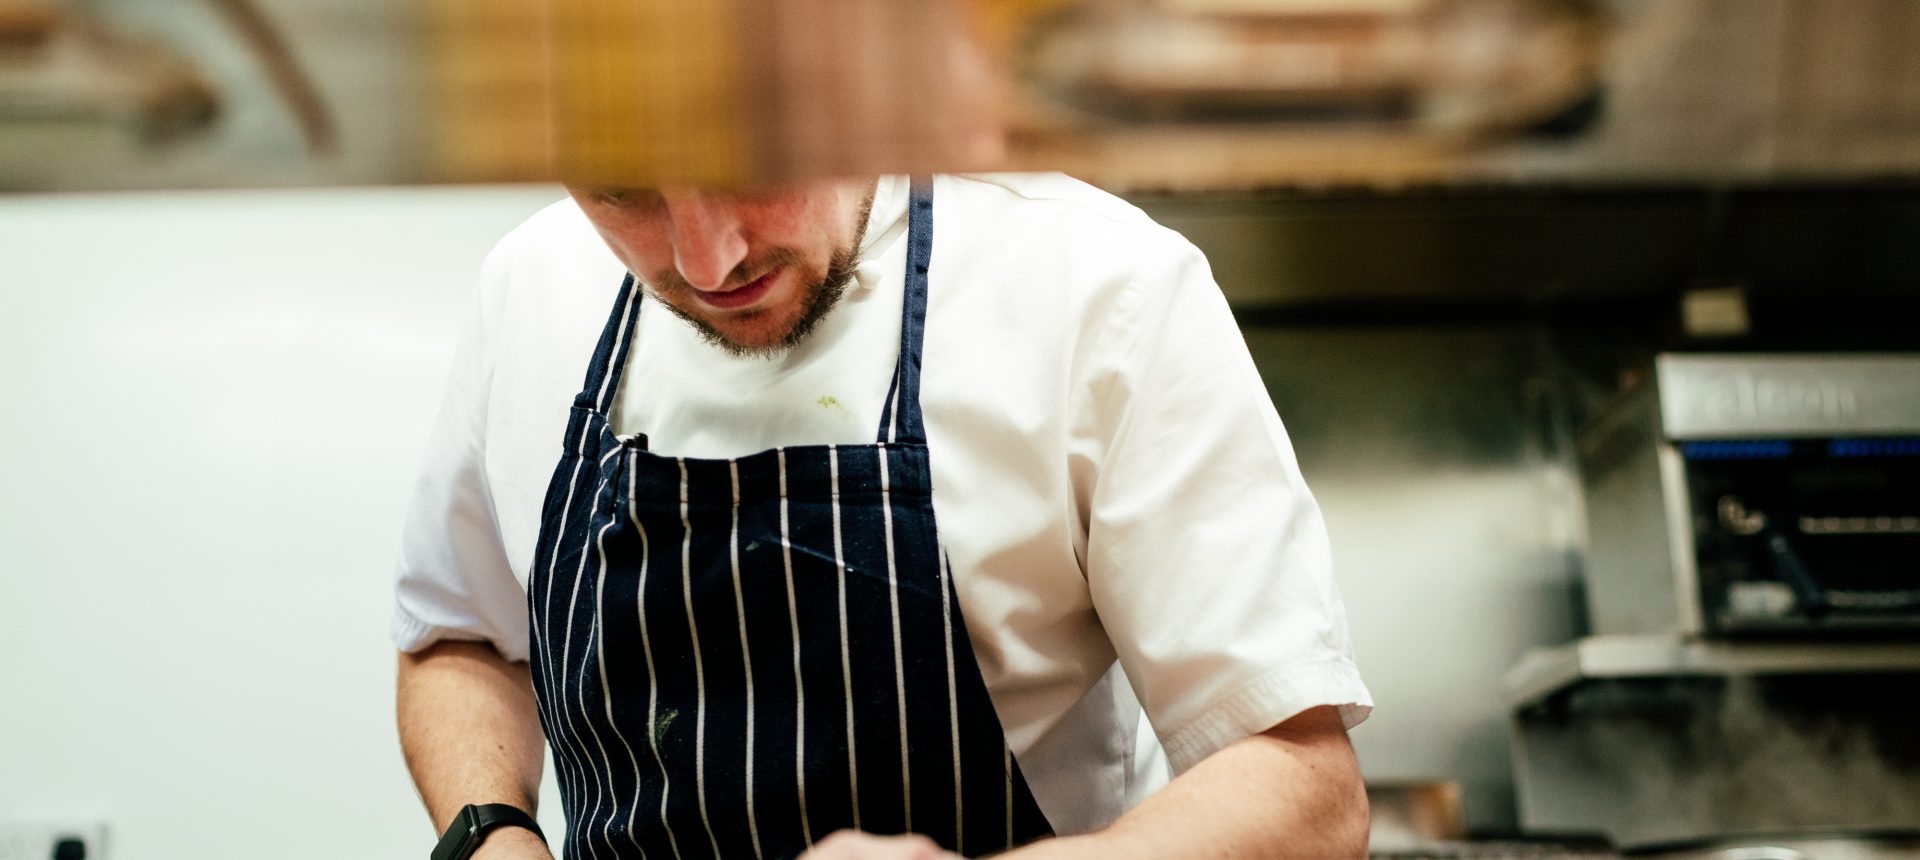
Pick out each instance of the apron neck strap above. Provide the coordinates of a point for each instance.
(900, 419)
(610, 355)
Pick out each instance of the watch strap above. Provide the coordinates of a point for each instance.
(473, 823)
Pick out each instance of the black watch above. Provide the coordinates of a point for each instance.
(472, 824)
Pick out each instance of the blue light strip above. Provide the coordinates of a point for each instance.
(1761, 449)
(1874, 448)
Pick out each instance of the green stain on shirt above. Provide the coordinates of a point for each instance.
(828, 401)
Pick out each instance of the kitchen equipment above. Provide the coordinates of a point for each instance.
(1663, 741)
(1796, 847)
(1773, 494)
(1799, 847)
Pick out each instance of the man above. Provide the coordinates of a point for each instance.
(953, 508)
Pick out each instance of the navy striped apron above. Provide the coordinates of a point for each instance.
(735, 658)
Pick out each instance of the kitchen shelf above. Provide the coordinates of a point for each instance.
(1546, 671)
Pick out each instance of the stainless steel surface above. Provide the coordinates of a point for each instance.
(1639, 561)
(1448, 494)
(1785, 396)
(1799, 847)
(1546, 671)
(1803, 847)
(1681, 746)
(1677, 521)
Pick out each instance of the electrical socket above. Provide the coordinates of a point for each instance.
(39, 839)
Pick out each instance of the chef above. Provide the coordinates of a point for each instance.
(869, 518)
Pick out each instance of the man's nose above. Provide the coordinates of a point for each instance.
(708, 243)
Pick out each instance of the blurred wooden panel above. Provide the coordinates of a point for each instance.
(486, 89)
(645, 89)
(725, 92)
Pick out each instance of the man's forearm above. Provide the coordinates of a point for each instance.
(469, 728)
(1293, 791)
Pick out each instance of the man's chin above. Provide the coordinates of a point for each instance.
(761, 333)
(773, 330)
(747, 337)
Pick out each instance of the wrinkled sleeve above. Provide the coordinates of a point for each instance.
(453, 580)
(1207, 559)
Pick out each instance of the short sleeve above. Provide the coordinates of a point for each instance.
(1207, 558)
(453, 579)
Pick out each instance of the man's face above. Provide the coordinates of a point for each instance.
(753, 271)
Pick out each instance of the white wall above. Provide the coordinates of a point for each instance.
(215, 402)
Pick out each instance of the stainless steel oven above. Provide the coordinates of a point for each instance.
(1745, 494)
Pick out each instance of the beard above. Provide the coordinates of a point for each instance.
(823, 291)
(816, 301)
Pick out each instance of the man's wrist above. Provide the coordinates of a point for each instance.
(510, 842)
(475, 826)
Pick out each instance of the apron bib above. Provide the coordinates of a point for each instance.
(735, 658)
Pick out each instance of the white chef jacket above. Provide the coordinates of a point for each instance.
(1143, 573)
